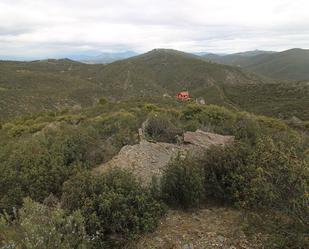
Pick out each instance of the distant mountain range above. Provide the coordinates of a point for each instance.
(103, 58)
(29, 87)
(291, 64)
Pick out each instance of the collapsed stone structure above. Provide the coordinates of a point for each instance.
(148, 159)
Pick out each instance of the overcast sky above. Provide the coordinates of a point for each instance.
(52, 28)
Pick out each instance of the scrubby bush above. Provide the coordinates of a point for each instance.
(220, 165)
(38, 165)
(267, 176)
(115, 206)
(247, 128)
(103, 101)
(40, 227)
(161, 129)
(182, 183)
(151, 108)
(122, 126)
(213, 118)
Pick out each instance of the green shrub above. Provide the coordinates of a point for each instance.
(161, 129)
(220, 165)
(115, 206)
(267, 176)
(103, 101)
(151, 108)
(272, 123)
(182, 183)
(37, 166)
(247, 128)
(275, 230)
(214, 118)
(39, 227)
(121, 125)
(191, 111)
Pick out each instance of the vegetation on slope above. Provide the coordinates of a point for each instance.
(53, 153)
(287, 65)
(29, 87)
(39, 86)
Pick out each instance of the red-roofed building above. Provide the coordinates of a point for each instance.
(184, 95)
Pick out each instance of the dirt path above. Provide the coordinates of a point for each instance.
(208, 228)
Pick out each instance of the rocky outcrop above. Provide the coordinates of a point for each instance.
(206, 139)
(145, 159)
(148, 159)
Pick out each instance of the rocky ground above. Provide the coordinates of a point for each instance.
(212, 227)
(148, 159)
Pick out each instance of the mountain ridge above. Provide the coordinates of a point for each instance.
(28, 87)
(290, 64)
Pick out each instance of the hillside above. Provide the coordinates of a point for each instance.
(236, 59)
(215, 198)
(164, 71)
(292, 64)
(287, 65)
(27, 87)
(104, 58)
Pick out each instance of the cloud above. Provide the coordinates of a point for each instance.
(53, 28)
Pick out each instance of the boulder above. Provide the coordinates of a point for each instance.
(207, 139)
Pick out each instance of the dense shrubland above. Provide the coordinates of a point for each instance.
(38, 226)
(182, 183)
(116, 206)
(53, 153)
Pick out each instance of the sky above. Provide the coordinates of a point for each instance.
(57, 28)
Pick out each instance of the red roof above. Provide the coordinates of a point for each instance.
(183, 95)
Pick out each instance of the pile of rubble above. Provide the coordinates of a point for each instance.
(148, 159)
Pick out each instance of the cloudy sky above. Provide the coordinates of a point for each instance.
(53, 28)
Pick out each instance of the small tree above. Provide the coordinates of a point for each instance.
(103, 101)
(183, 183)
(161, 129)
(115, 206)
(37, 226)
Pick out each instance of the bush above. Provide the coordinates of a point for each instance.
(161, 129)
(268, 176)
(115, 206)
(220, 167)
(121, 126)
(37, 166)
(247, 128)
(215, 118)
(103, 101)
(182, 183)
(39, 227)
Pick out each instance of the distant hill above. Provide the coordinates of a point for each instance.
(165, 71)
(168, 71)
(291, 64)
(236, 59)
(27, 87)
(104, 58)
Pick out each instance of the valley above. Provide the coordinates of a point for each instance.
(56, 84)
(106, 156)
